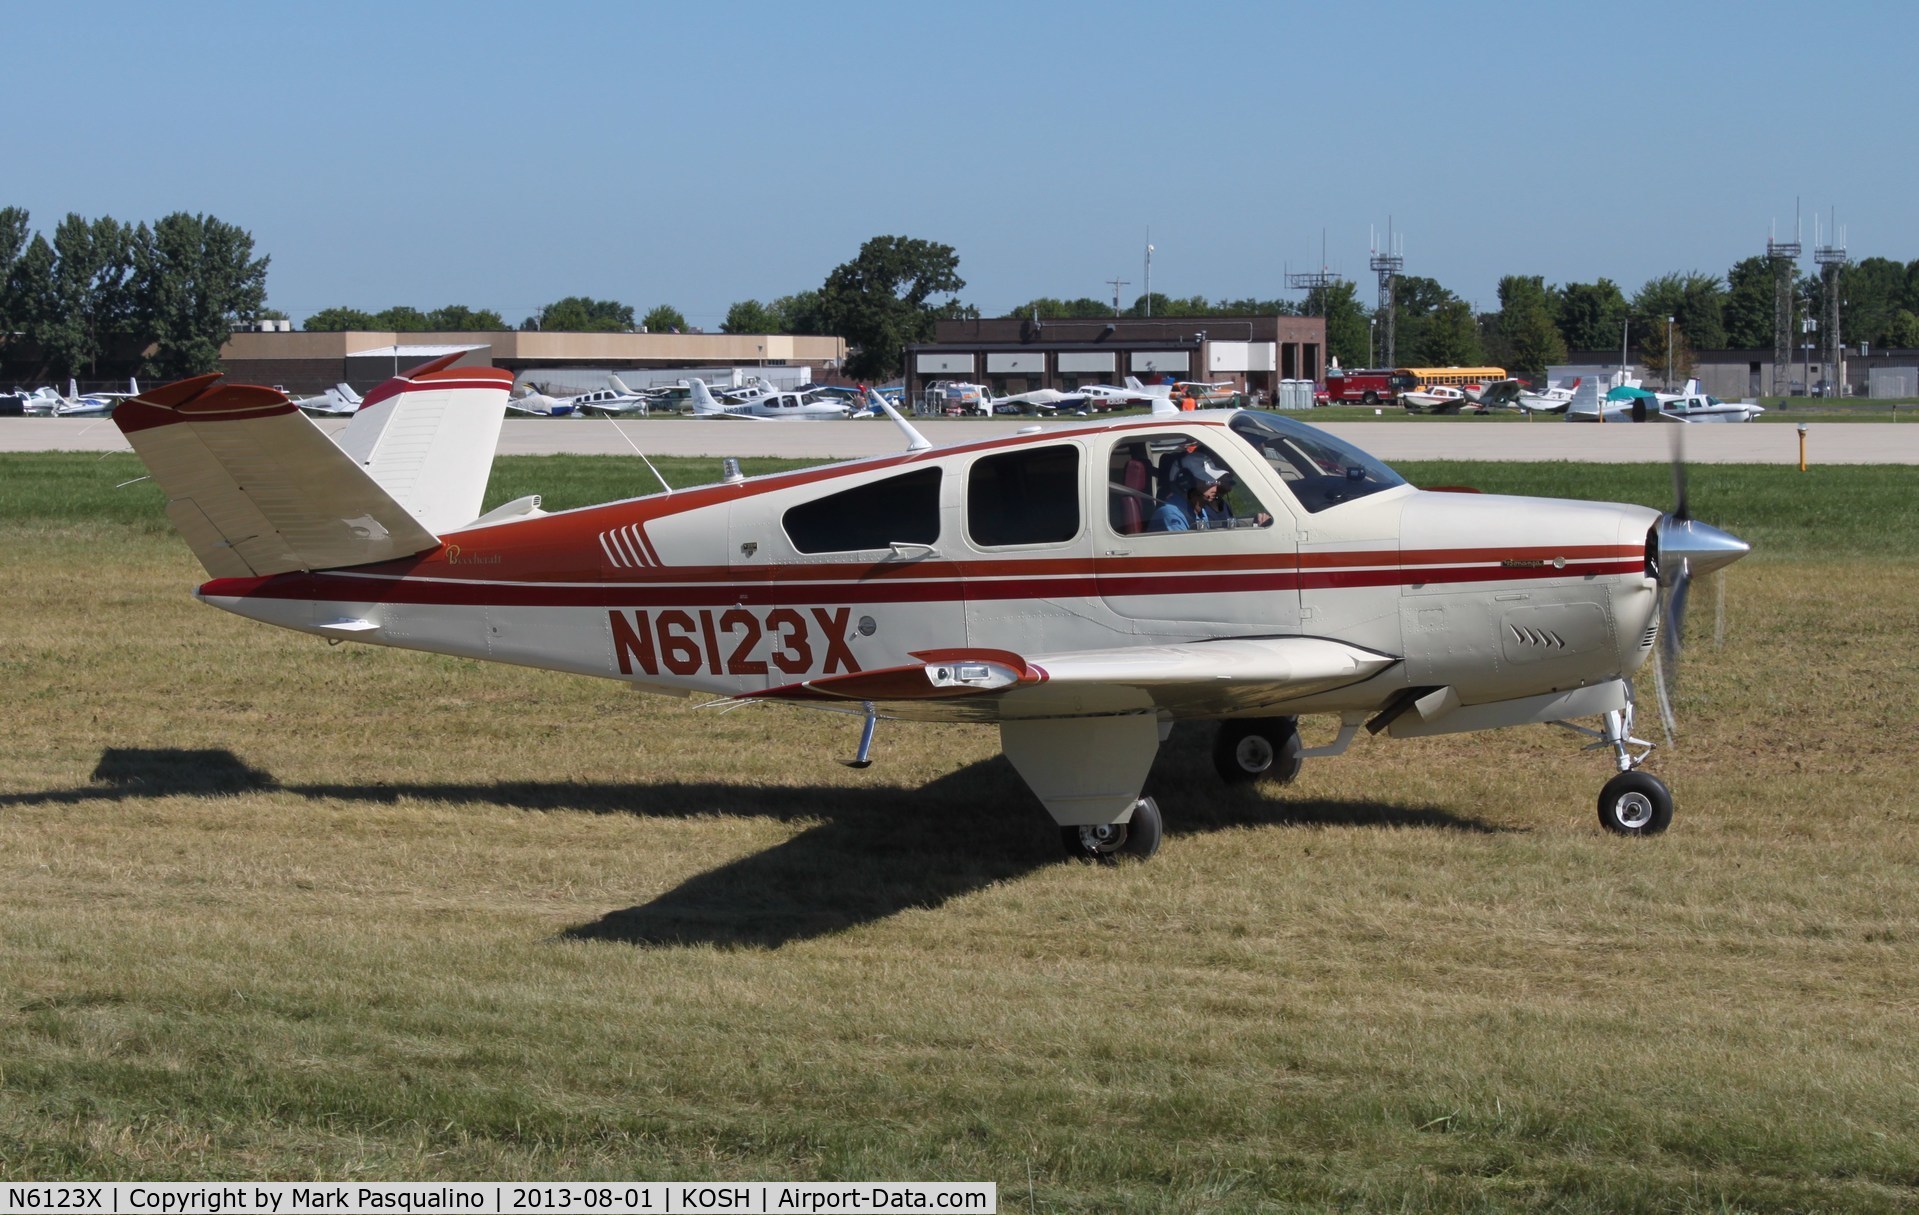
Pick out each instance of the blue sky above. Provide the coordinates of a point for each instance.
(506, 155)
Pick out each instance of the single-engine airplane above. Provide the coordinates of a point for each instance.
(1016, 580)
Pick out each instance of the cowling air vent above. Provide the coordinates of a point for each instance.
(1545, 639)
(1652, 635)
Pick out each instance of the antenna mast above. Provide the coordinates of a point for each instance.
(1783, 256)
(1388, 266)
(1831, 259)
(1320, 280)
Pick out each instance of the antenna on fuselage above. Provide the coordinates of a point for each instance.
(915, 441)
(641, 455)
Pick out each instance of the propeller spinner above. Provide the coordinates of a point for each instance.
(1684, 549)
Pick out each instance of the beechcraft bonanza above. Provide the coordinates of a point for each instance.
(1014, 580)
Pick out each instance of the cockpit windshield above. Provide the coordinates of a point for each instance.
(1320, 470)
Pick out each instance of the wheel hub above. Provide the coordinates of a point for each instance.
(1633, 810)
(1254, 753)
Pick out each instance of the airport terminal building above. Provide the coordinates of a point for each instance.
(313, 362)
(1021, 355)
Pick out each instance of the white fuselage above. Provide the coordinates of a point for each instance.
(742, 588)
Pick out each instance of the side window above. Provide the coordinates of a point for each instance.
(1175, 483)
(904, 509)
(1024, 497)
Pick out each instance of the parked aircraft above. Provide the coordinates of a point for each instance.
(1106, 397)
(1633, 404)
(336, 402)
(41, 402)
(1012, 580)
(92, 404)
(1436, 398)
(1550, 400)
(773, 405)
(1691, 405)
(528, 401)
(616, 400)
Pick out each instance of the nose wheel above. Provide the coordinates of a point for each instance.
(1635, 803)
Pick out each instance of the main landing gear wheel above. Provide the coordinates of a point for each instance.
(1258, 748)
(1137, 836)
(1635, 803)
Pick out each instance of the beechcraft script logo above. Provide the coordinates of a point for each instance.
(735, 641)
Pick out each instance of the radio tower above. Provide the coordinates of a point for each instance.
(1831, 259)
(1388, 266)
(1784, 257)
(1320, 280)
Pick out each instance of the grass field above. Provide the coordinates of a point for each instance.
(274, 909)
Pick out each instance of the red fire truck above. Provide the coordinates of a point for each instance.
(1354, 387)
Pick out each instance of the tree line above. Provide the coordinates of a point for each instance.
(164, 295)
(172, 291)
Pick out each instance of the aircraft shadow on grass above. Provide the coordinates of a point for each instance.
(870, 853)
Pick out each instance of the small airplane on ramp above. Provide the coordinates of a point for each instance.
(771, 406)
(1019, 581)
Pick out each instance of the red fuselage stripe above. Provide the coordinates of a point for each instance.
(351, 589)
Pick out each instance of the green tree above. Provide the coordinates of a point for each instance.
(801, 313)
(751, 316)
(664, 319)
(30, 294)
(92, 292)
(14, 229)
(195, 278)
(1696, 303)
(1653, 356)
(1525, 340)
(878, 301)
(401, 318)
(1902, 332)
(1046, 308)
(458, 318)
(1592, 315)
(1871, 292)
(1415, 299)
(1347, 334)
(338, 320)
(1450, 337)
(1749, 304)
(579, 314)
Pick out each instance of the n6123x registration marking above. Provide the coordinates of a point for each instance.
(733, 641)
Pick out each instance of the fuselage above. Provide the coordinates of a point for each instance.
(1036, 544)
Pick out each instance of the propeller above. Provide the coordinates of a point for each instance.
(1686, 548)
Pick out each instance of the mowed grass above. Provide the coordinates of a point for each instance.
(270, 908)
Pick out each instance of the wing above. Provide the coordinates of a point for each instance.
(1194, 679)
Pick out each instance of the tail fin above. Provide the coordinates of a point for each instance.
(256, 488)
(703, 403)
(619, 385)
(73, 389)
(427, 437)
(347, 393)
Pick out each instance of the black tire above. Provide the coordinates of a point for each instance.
(1138, 836)
(1258, 748)
(1371, 398)
(1635, 803)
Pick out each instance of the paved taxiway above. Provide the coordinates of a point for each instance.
(1452, 439)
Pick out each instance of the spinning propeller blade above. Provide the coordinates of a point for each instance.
(1687, 548)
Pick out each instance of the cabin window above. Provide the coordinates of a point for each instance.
(879, 514)
(1031, 496)
(1147, 474)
